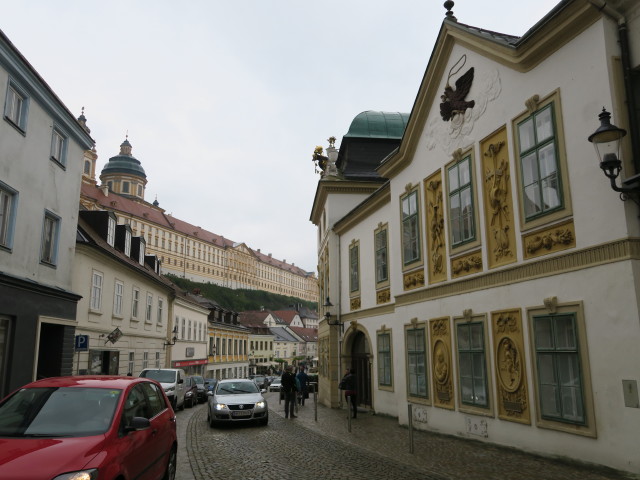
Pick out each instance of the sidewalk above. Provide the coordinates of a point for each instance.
(442, 456)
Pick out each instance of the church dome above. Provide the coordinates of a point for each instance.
(124, 163)
(372, 124)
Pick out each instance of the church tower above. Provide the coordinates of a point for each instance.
(90, 156)
(124, 175)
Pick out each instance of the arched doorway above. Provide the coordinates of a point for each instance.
(360, 361)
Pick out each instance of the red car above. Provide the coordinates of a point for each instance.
(87, 428)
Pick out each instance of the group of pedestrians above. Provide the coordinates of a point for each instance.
(296, 388)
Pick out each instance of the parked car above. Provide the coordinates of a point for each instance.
(237, 401)
(190, 392)
(103, 427)
(275, 385)
(202, 390)
(172, 381)
(210, 384)
(261, 381)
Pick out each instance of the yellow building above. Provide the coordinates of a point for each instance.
(185, 250)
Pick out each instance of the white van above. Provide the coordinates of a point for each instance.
(172, 381)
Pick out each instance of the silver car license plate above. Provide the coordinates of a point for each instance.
(241, 413)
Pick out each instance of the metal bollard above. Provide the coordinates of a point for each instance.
(349, 400)
(410, 428)
(315, 401)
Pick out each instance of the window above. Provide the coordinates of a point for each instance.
(539, 166)
(354, 268)
(139, 190)
(560, 390)
(385, 366)
(147, 314)
(125, 187)
(50, 232)
(96, 291)
(184, 322)
(5, 335)
(135, 301)
(472, 364)
(382, 271)
(117, 298)
(132, 362)
(157, 359)
(58, 146)
(410, 229)
(461, 213)
(145, 360)
(111, 231)
(160, 308)
(416, 362)
(87, 167)
(127, 243)
(141, 254)
(8, 205)
(15, 107)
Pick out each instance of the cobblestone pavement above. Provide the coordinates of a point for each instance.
(377, 447)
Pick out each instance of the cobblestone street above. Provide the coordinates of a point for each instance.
(376, 447)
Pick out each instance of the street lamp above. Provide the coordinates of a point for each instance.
(606, 140)
(327, 315)
(174, 339)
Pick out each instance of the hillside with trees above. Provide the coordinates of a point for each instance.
(241, 300)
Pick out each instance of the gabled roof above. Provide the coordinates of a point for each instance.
(282, 334)
(286, 315)
(307, 334)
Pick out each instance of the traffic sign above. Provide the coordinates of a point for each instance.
(82, 343)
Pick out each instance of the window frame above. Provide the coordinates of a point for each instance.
(135, 303)
(59, 150)
(381, 251)
(118, 298)
(418, 259)
(565, 209)
(14, 89)
(354, 267)
(8, 213)
(49, 254)
(384, 359)
(475, 407)
(95, 297)
(415, 396)
(473, 238)
(148, 311)
(575, 310)
(160, 310)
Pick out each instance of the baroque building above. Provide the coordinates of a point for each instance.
(474, 262)
(183, 249)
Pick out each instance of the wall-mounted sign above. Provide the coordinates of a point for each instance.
(114, 336)
(82, 343)
(190, 352)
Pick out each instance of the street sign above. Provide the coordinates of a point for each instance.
(82, 343)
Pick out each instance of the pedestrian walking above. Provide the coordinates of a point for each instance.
(350, 387)
(303, 380)
(288, 388)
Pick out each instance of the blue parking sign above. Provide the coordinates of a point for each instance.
(82, 343)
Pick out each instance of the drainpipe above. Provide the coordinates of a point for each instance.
(625, 57)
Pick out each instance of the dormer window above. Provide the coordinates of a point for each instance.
(141, 259)
(111, 231)
(127, 243)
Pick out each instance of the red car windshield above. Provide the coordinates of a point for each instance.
(58, 412)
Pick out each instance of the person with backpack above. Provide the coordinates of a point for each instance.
(303, 380)
(350, 386)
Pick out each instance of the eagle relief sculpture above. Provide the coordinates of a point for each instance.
(453, 101)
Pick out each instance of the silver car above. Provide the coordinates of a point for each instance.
(235, 401)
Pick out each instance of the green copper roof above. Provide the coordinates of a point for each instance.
(124, 164)
(372, 124)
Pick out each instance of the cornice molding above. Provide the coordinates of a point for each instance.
(617, 251)
(325, 187)
(370, 312)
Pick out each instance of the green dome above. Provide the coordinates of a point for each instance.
(372, 124)
(124, 163)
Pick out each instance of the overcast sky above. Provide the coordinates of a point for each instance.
(224, 101)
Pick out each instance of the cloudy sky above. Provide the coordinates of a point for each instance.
(224, 101)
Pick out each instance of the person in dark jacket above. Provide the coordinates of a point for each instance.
(303, 379)
(288, 388)
(351, 390)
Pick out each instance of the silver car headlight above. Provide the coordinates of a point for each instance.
(220, 406)
(261, 404)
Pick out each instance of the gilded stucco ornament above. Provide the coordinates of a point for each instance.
(436, 224)
(467, 264)
(441, 363)
(497, 178)
(560, 236)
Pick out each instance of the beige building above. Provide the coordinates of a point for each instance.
(186, 250)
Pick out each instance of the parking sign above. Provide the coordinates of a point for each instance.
(82, 343)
